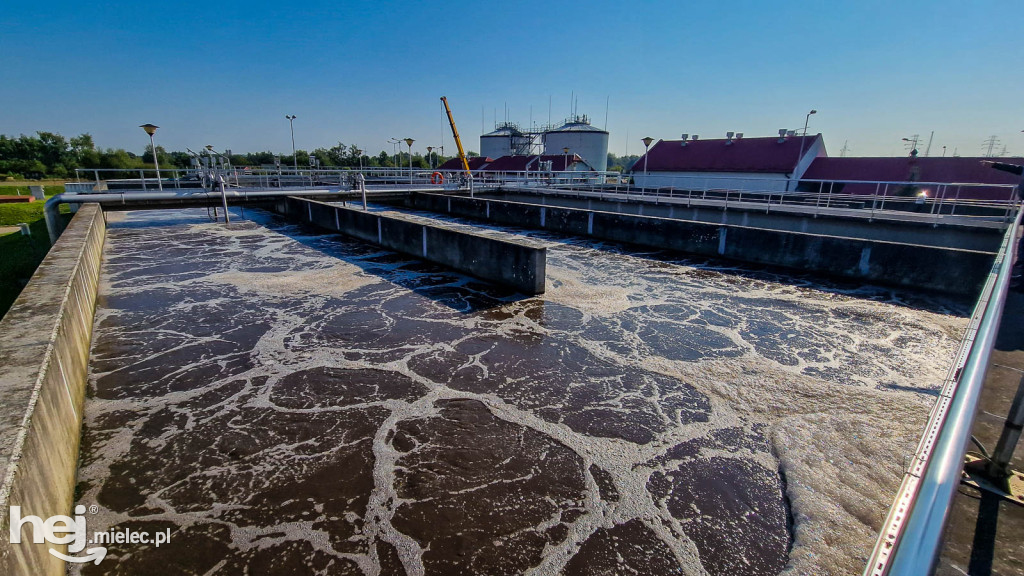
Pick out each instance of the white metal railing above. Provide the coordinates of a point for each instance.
(930, 200)
(911, 538)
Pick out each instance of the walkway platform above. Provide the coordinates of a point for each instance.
(985, 533)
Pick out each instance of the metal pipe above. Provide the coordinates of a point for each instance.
(910, 542)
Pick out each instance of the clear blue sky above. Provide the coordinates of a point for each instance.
(226, 73)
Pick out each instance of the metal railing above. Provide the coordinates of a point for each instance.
(929, 201)
(911, 537)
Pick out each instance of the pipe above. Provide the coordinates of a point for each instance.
(54, 226)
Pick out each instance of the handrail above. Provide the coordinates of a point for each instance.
(911, 538)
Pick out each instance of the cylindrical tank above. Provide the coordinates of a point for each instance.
(580, 138)
(504, 141)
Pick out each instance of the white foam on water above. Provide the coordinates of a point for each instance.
(840, 385)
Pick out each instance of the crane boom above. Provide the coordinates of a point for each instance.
(455, 132)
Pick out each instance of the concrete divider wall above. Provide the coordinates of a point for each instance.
(44, 352)
(519, 264)
(934, 268)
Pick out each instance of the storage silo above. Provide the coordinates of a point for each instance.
(580, 138)
(505, 140)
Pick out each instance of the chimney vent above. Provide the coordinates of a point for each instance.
(739, 135)
(685, 136)
(695, 137)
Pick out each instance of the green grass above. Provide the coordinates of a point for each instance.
(20, 255)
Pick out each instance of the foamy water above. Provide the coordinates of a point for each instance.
(299, 403)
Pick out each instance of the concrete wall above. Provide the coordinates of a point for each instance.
(942, 235)
(518, 264)
(941, 269)
(44, 351)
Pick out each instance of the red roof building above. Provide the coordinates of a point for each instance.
(535, 163)
(773, 163)
(841, 174)
(475, 163)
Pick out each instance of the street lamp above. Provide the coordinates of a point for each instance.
(151, 129)
(647, 145)
(430, 159)
(360, 153)
(800, 155)
(409, 141)
(394, 145)
(291, 124)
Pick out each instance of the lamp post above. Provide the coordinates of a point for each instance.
(151, 129)
(647, 147)
(291, 124)
(807, 119)
(394, 145)
(360, 153)
(409, 141)
(430, 159)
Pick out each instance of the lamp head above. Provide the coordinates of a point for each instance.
(149, 128)
(409, 141)
(647, 141)
(812, 112)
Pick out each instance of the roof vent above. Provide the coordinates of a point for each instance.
(791, 133)
(685, 136)
(782, 135)
(695, 137)
(728, 138)
(739, 135)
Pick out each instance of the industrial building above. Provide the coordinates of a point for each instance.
(836, 174)
(732, 163)
(522, 163)
(575, 136)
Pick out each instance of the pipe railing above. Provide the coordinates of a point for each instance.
(930, 201)
(910, 541)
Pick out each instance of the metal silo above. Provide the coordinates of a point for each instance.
(580, 138)
(506, 140)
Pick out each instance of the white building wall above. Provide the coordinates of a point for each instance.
(746, 181)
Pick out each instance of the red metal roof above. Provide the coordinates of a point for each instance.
(769, 155)
(475, 163)
(902, 169)
(907, 169)
(519, 163)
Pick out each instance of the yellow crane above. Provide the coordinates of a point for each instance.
(455, 132)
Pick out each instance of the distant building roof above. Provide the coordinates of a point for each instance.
(766, 155)
(904, 168)
(915, 169)
(475, 163)
(520, 163)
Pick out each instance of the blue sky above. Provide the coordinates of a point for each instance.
(226, 73)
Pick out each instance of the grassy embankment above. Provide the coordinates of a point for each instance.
(20, 255)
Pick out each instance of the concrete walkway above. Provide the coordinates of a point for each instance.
(800, 209)
(985, 533)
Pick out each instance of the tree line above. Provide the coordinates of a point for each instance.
(48, 154)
